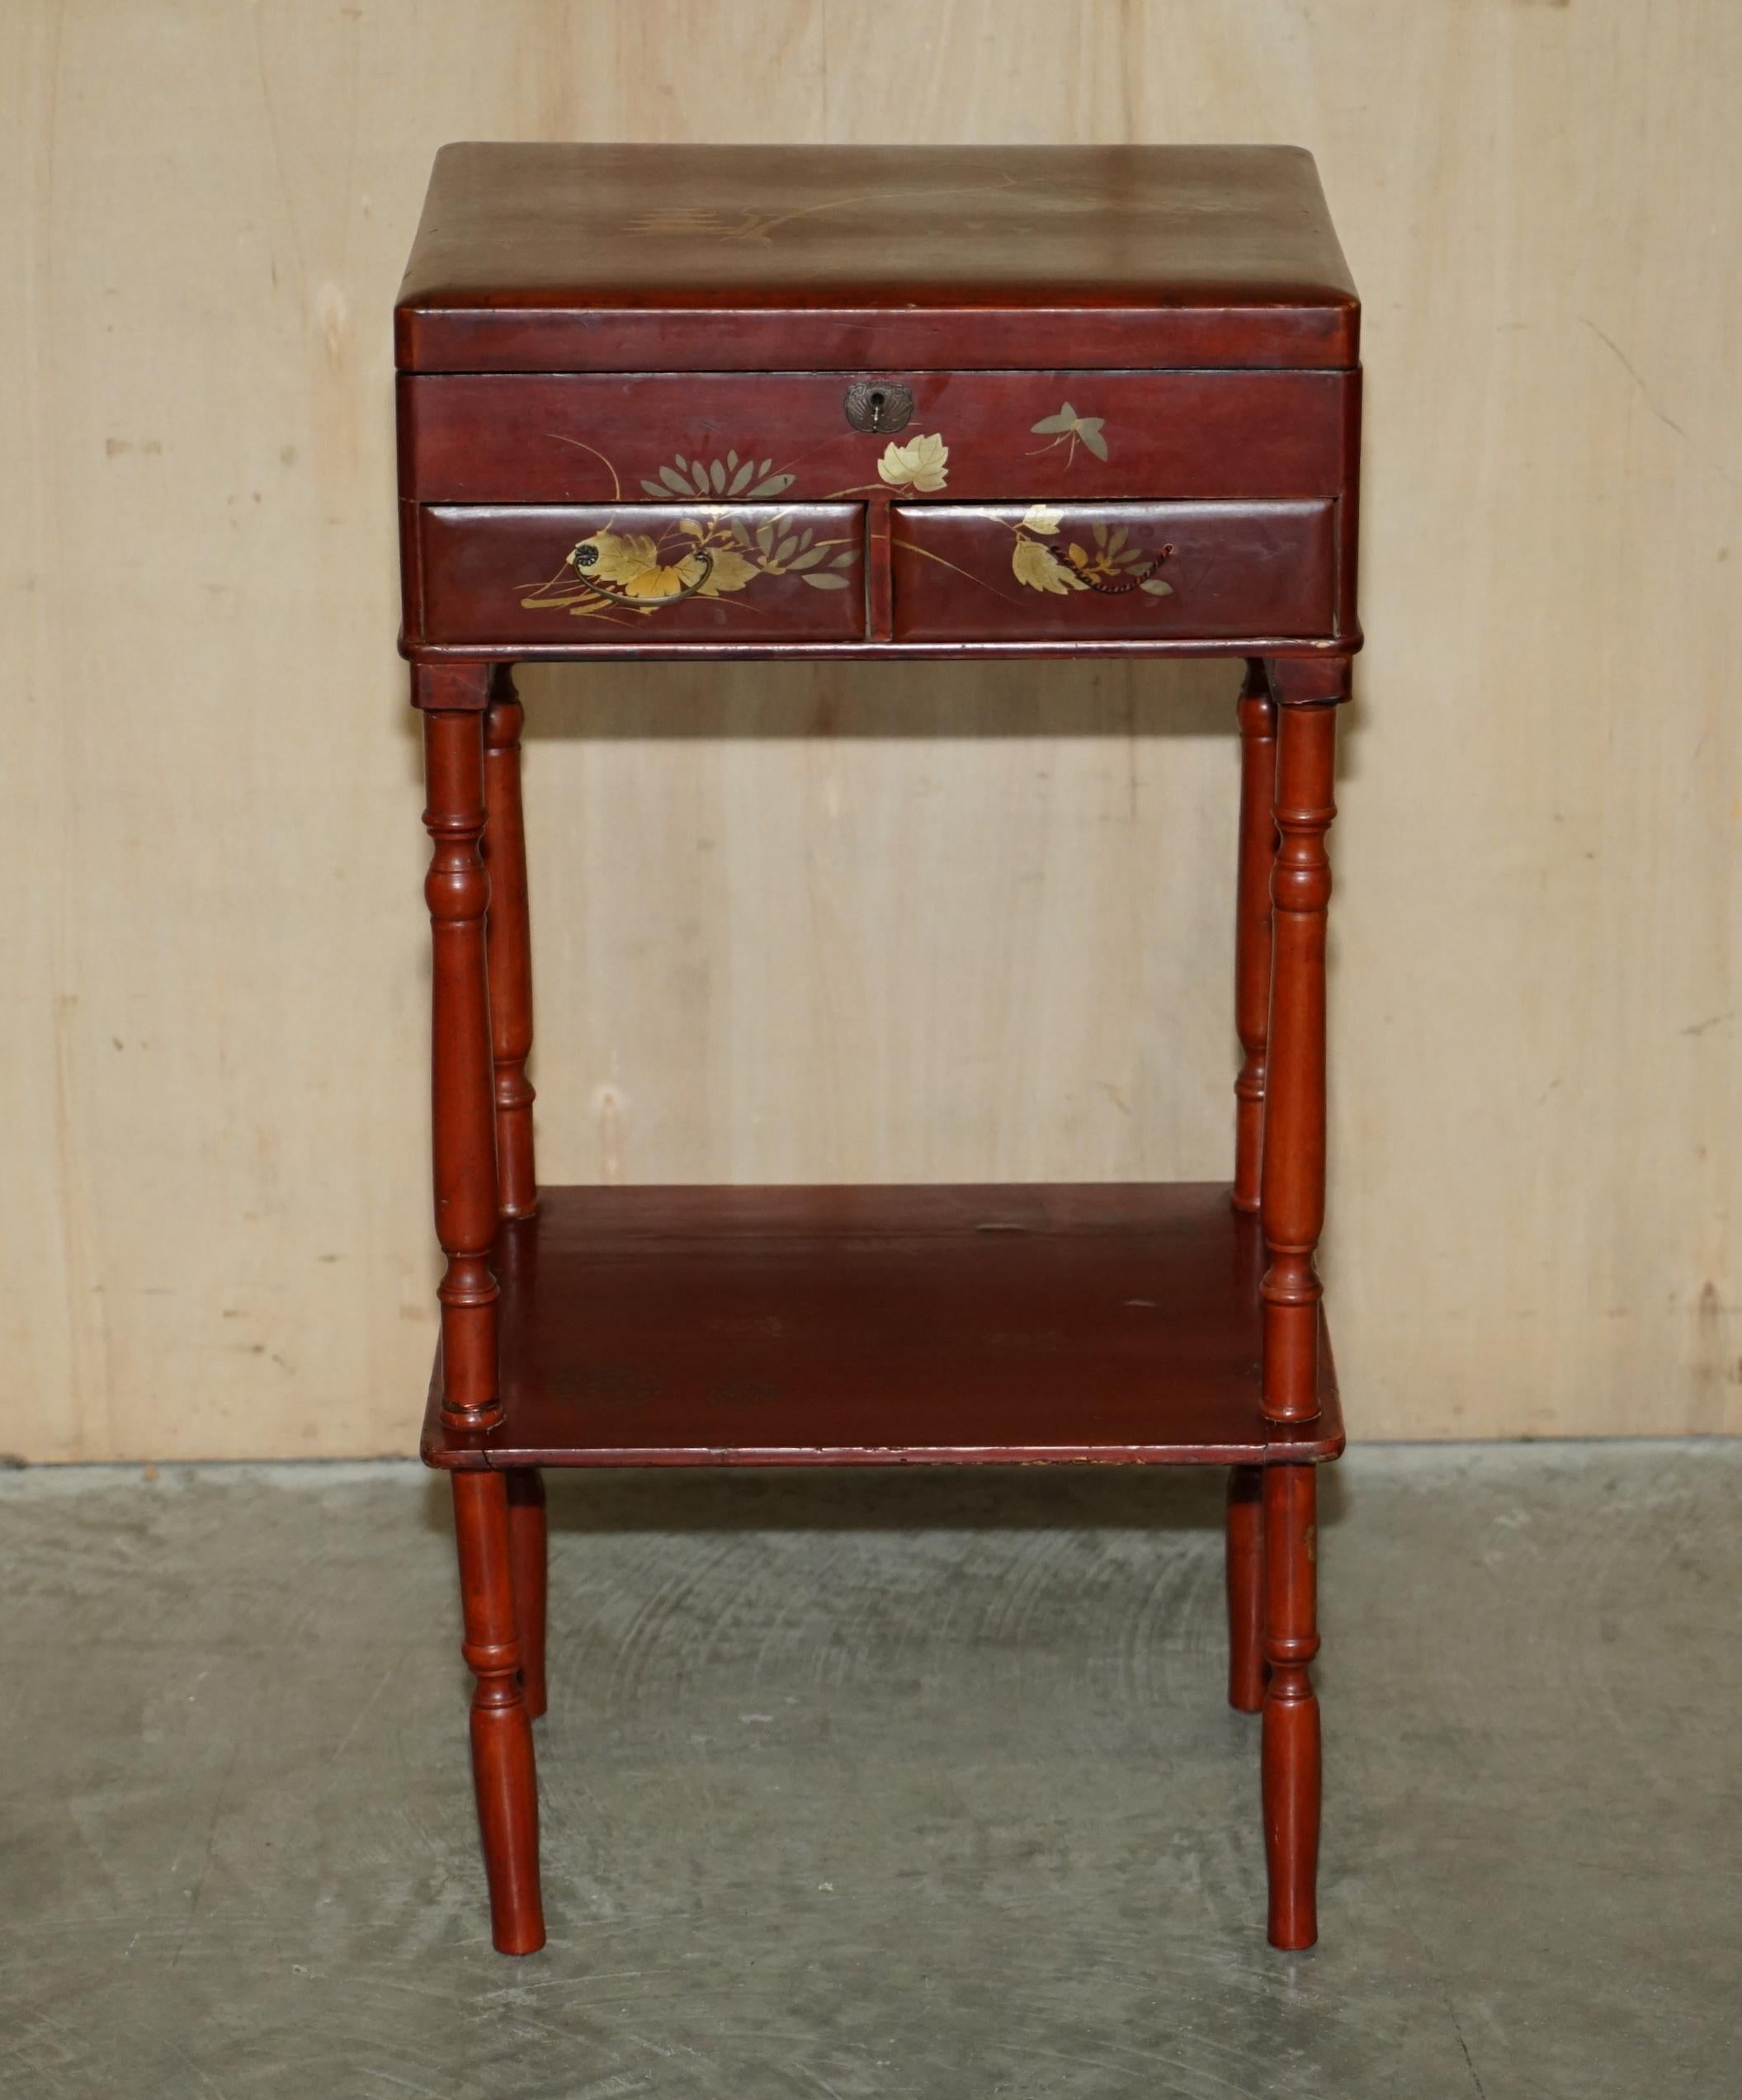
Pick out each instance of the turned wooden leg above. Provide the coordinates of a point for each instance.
(1293, 1175)
(527, 1554)
(510, 943)
(502, 1728)
(1291, 1746)
(1292, 1208)
(1257, 852)
(463, 1119)
(464, 1129)
(1245, 1550)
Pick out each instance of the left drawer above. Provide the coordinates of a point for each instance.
(640, 573)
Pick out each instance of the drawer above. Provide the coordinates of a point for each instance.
(1059, 571)
(640, 573)
(966, 436)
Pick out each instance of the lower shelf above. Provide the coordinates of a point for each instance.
(1099, 1322)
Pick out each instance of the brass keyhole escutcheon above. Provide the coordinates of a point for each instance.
(879, 406)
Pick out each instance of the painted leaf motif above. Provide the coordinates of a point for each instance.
(661, 582)
(627, 564)
(1036, 565)
(730, 572)
(1041, 519)
(1158, 587)
(1055, 426)
(825, 582)
(1088, 429)
(921, 465)
(613, 557)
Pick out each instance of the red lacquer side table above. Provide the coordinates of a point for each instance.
(888, 403)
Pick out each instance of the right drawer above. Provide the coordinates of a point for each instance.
(1137, 571)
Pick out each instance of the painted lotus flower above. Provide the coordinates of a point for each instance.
(920, 465)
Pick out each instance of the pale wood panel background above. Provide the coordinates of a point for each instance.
(816, 924)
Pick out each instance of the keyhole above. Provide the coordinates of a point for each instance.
(878, 406)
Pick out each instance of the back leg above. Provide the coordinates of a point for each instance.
(528, 1557)
(1245, 1551)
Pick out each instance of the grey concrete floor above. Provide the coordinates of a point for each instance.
(857, 1786)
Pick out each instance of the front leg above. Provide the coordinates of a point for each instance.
(1291, 1748)
(1292, 1189)
(503, 1769)
(458, 890)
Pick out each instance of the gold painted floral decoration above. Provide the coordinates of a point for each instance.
(1113, 567)
(921, 465)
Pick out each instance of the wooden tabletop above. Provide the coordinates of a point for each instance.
(560, 257)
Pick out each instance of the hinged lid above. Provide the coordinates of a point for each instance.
(786, 259)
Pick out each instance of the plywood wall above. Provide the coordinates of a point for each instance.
(818, 924)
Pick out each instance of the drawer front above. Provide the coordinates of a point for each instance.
(1058, 571)
(966, 436)
(639, 574)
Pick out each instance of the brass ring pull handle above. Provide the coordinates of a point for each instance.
(879, 406)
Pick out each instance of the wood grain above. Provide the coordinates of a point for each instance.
(642, 257)
(983, 933)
